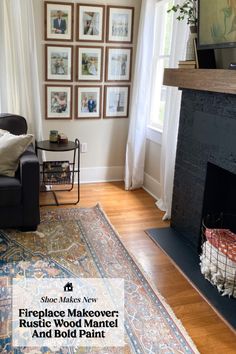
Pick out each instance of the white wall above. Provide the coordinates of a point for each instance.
(152, 168)
(106, 138)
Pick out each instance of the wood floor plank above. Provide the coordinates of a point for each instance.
(133, 212)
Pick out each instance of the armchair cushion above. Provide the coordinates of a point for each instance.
(11, 148)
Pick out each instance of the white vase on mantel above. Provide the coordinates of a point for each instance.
(190, 52)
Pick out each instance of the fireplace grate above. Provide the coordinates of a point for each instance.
(218, 257)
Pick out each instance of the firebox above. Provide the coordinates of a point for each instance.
(220, 198)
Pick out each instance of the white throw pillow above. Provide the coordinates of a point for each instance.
(2, 132)
(11, 148)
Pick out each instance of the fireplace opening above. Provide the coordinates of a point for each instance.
(220, 198)
(218, 236)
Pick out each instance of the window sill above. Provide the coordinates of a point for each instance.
(154, 134)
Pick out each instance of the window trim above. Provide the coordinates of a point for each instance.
(154, 134)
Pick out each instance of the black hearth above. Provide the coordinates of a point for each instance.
(204, 183)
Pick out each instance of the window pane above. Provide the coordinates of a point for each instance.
(168, 29)
(162, 106)
(157, 107)
(166, 62)
(158, 116)
(163, 51)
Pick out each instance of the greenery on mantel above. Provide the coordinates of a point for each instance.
(187, 10)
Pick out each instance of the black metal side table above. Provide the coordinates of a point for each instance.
(58, 176)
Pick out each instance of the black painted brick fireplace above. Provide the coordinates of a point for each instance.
(207, 135)
(205, 182)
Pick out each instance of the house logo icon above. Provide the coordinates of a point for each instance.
(68, 287)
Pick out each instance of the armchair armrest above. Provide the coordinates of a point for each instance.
(28, 157)
(30, 180)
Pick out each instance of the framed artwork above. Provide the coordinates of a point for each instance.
(118, 64)
(88, 101)
(216, 27)
(116, 101)
(90, 22)
(59, 21)
(58, 101)
(89, 63)
(120, 24)
(59, 63)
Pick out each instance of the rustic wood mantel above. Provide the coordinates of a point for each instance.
(214, 80)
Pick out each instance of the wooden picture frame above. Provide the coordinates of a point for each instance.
(116, 101)
(118, 64)
(120, 22)
(58, 99)
(90, 23)
(216, 24)
(89, 63)
(59, 21)
(88, 102)
(58, 62)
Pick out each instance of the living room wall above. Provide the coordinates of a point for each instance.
(105, 138)
(152, 168)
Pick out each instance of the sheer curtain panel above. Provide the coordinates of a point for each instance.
(148, 74)
(141, 96)
(19, 85)
(171, 121)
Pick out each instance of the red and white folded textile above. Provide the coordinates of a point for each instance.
(224, 240)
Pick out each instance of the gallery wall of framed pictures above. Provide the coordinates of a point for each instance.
(88, 74)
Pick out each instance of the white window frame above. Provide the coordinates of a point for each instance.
(154, 134)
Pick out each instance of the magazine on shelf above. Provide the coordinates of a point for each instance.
(56, 172)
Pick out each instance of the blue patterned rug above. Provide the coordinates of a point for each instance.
(82, 243)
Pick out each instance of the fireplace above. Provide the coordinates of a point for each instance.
(204, 182)
(205, 172)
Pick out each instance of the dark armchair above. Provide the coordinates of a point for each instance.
(19, 195)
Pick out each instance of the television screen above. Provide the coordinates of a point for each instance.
(216, 24)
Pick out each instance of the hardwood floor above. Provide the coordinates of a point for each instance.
(133, 212)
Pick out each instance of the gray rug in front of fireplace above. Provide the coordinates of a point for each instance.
(187, 261)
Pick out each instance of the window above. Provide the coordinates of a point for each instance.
(162, 55)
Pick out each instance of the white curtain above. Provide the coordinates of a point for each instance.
(145, 68)
(171, 121)
(19, 84)
(141, 96)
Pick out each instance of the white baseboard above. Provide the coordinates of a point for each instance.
(101, 174)
(152, 186)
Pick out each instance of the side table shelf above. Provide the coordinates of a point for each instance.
(50, 177)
